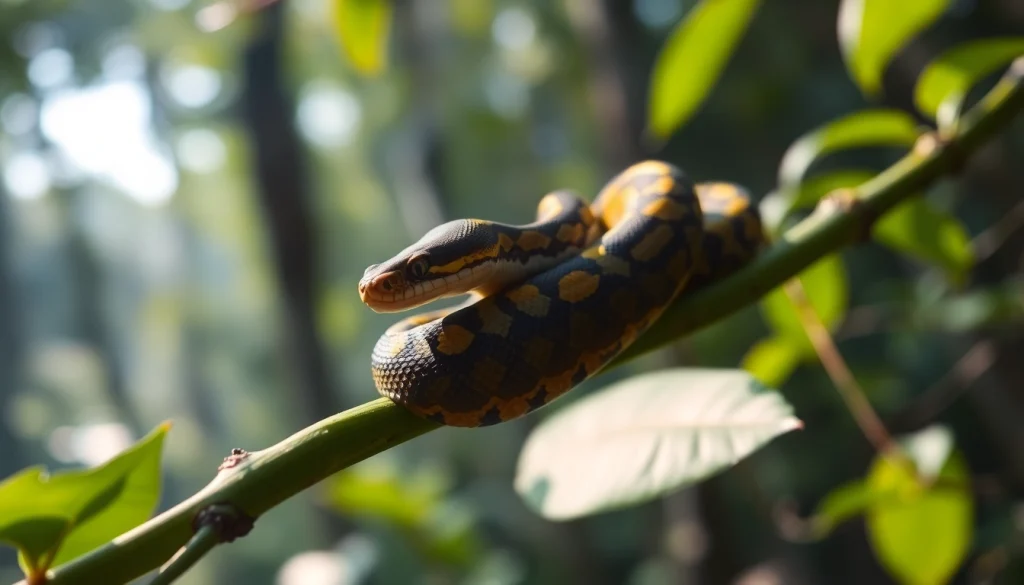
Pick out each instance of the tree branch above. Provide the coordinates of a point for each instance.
(839, 222)
(266, 478)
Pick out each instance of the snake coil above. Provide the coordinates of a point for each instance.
(557, 299)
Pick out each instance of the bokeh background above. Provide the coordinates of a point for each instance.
(192, 189)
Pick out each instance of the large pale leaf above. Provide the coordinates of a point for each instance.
(949, 78)
(866, 128)
(363, 27)
(919, 229)
(54, 518)
(646, 436)
(826, 289)
(923, 530)
(692, 60)
(872, 31)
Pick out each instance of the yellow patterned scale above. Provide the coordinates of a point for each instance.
(552, 301)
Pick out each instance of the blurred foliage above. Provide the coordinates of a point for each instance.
(955, 72)
(919, 510)
(138, 282)
(700, 45)
(918, 229)
(872, 31)
(363, 27)
(440, 527)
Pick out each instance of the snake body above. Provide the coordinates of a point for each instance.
(557, 299)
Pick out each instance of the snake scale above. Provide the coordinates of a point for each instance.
(552, 301)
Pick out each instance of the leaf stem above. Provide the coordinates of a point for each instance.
(269, 477)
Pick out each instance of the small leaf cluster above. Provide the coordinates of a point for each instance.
(917, 505)
(53, 518)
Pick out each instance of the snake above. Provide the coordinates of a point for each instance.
(550, 302)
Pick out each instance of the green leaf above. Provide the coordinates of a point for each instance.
(951, 76)
(67, 514)
(872, 31)
(920, 230)
(644, 437)
(363, 27)
(34, 537)
(841, 504)
(771, 361)
(827, 291)
(131, 496)
(928, 450)
(923, 531)
(866, 128)
(692, 60)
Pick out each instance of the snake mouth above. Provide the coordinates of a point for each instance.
(391, 292)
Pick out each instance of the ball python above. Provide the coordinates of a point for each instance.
(551, 301)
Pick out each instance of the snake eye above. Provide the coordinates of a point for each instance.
(418, 267)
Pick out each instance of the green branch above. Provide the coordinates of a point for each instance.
(839, 222)
(266, 478)
(260, 481)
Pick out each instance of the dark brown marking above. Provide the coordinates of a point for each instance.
(487, 375)
(537, 352)
(582, 329)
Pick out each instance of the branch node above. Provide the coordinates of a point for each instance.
(847, 201)
(226, 520)
(931, 142)
(237, 456)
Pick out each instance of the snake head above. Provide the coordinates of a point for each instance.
(450, 260)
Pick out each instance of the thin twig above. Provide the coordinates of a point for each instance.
(975, 362)
(201, 543)
(835, 366)
(989, 241)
